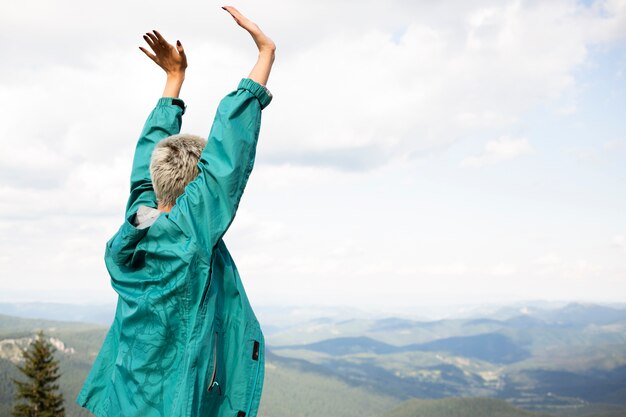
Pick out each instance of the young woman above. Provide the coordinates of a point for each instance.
(185, 341)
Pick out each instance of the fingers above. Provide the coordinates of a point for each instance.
(159, 37)
(262, 41)
(150, 41)
(239, 18)
(244, 22)
(155, 40)
(179, 48)
(148, 54)
(233, 12)
(152, 37)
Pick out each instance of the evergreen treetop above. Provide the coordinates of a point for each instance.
(39, 394)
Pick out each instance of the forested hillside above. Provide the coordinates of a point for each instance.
(459, 407)
(562, 363)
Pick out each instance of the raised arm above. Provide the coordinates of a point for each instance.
(210, 202)
(165, 120)
(267, 49)
(170, 58)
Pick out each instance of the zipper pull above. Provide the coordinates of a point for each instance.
(219, 390)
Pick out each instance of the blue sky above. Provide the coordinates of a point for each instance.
(414, 154)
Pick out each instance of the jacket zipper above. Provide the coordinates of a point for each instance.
(214, 374)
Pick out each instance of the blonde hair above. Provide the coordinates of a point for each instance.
(174, 164)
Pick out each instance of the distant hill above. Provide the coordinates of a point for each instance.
(529, 331)
(277, 319)
(592, 410)
(583, 314)
(539, 359)
(599, 386)
(346, 345)
(491, 347)
(293, 390)
(569, 314)
(80, 342)
(459, 407)
(101, 314)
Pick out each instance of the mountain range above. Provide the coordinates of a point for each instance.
(565, 361)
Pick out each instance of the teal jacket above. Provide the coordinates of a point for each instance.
(184, 341)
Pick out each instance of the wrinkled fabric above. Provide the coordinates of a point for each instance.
(185, 340)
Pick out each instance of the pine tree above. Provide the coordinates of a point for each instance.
(41, 390)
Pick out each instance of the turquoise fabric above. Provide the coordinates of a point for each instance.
(185, 340)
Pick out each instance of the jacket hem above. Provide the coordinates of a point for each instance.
(98, 412)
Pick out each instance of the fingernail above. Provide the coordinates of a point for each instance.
(178, 43)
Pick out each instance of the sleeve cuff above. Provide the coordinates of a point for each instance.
(259, 91)
(171, 101)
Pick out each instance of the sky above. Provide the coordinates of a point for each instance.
(415, 153)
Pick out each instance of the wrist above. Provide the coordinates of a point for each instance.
(267, 55)
(176, 76)
(268, 50)
(173, 84)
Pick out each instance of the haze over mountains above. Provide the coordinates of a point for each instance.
(566, 361)
(283, 316)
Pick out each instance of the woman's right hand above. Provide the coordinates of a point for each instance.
(265, 44)
(261, 70)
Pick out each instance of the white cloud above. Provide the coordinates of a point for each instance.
(497, 150)
(449, 269)
(353, 97)
(584, 155)
(619, 241)
(614, 145)
(289, 176)
(503, 269)
(555, 268)
(585, 269)
(386, 96)
(252, 231)
(549, 265)
(550, 259)
(367, 91)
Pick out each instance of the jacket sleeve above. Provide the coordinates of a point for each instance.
(208, 206)
(164, 120)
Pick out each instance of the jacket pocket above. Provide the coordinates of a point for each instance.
(253, 358)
